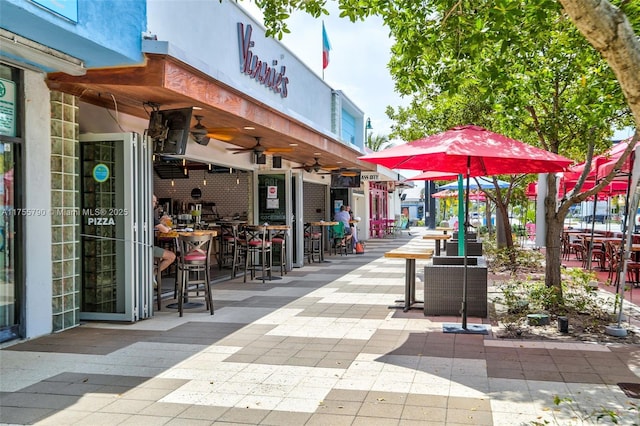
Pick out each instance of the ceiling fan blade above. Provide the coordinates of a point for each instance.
(277, 150)
(239, 150)
(224, 134)
(224, 137)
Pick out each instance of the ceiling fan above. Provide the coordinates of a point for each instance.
(316, 167)
(342, 171)
(259, 149)
(202, 134)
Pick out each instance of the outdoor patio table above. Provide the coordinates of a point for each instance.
(410, 256)
(323, 226)
(437, 238)
(444, 229)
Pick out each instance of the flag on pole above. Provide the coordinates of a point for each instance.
(326, 47)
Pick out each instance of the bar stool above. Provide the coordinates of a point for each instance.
(195, 258)
(229, 248)
(258, 254)
(312, 243)
(278, 242)
(157, 281)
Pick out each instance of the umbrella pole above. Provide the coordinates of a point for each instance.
(593, 228)
(464, 243)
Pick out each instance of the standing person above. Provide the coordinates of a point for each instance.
(167, 257)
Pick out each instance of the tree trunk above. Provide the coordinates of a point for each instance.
(553, 238)
(609, 31)
(504, 223)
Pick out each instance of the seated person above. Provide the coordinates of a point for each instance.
(344, 217)
(167, 257)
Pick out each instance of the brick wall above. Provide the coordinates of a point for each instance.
(314, 199)
(230, 192)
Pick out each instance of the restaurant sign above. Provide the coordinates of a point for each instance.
(375, 177)
(257, 69)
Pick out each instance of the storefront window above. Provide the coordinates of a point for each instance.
(10, 212)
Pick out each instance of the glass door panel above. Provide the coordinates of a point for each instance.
(9, 317)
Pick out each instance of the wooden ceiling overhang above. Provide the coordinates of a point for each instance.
(170, 83)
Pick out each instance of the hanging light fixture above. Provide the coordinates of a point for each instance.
(204, 180)
(237, 178)
(173, 182)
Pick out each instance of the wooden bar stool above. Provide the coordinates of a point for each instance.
(195, 259)
(259, 256)
(312, 243)
(279, 242)
(230, 248)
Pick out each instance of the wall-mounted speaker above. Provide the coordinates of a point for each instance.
(261, 159)
(277, 162)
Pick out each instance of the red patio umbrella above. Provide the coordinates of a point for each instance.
(487, 153)
(470, 151)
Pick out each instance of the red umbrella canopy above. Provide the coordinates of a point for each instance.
(602, 164)
(487, 152)
(435, 176)
(446, 193)
(615, 187)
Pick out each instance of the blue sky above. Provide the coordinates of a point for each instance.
(358, 59)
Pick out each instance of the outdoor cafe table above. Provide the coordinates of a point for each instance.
(444, 229)
(323, 226)
(410, 255)
(437, 238)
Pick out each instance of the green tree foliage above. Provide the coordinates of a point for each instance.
(377, 142)
(518, 67)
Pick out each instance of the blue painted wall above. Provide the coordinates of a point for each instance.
(108, 32)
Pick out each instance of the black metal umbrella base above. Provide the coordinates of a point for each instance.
(471, 328)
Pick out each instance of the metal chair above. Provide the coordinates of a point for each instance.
(259, 255)
(195, 259)
(340, 240)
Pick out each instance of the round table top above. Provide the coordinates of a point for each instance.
(409, 254)
(324, 223)
(174, 233)
(436, 237)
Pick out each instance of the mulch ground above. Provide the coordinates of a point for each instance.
(582, 328)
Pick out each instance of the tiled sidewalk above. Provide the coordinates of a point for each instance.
(318, 347)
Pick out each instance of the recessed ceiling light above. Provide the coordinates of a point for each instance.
(197, 108)
(316, 154)
(293, 144)
(339, 162)
(249, 128)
